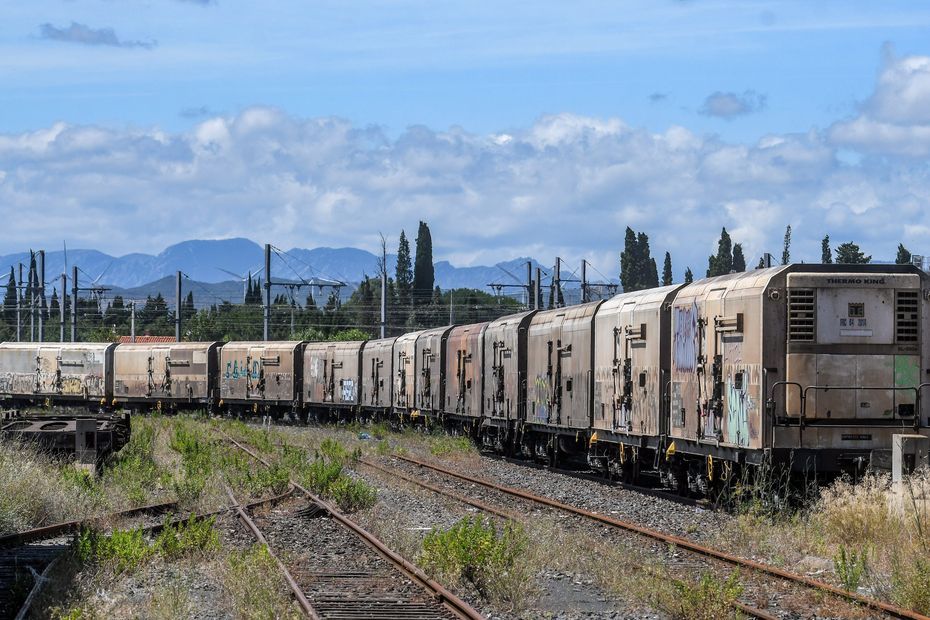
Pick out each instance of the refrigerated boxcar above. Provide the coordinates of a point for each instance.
(463, 385)
(33, 373)
(503, 373)
(817, 365)
(405, 373)
(263, 376)
(431, 359)
(378, 375)
(332, 374)
(631, 374)
(174, 375)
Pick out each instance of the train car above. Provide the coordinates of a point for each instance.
(503, 376)
(332, 377)
(405, 374)
(632, 366)
(560, 359)
(34, 373)
(430, 351)
(166, 376)
(462, 390)
(814, 365)
(262, 377)
(377, 376)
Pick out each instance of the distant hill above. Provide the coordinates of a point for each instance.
(210, 264)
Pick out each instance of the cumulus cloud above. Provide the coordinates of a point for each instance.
(565, 185)
(895, 119)
(730, 105)
(85, 35)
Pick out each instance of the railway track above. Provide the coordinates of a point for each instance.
(27, 557)
(743, 608)
(679, 542)
(354, 575)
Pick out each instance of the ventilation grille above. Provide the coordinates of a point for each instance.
(906, 310)
(801, 315)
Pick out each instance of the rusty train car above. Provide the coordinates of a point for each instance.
(811, 366)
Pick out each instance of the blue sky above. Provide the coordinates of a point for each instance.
(490, 120)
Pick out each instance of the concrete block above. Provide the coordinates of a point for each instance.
(85, 442)
(908, 452)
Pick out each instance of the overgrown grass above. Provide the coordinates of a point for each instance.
(446, 445)
(126, 550)
(134, 469)
(36, 490)
(710, 598)
(476, 551)
(255, 588)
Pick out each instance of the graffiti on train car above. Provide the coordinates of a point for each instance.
(541, 401)
(348, 390)
(686, 337)
(237, 370)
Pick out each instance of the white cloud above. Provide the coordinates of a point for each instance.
(566, 184)
(895, 119)
(730, 105)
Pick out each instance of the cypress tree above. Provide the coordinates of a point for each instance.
(903, 257)
(628, 261)
(689, 277)
(722, 263)
(826, 254)
(739, 261)
(667, 270)
(648, 273)
(423, 274)
(786, 248)
(403, 272)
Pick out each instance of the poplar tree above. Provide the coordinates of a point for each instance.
(739, 261)
(423, 274)
(667, 270)
(826, 254)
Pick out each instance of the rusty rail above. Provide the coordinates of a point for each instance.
(446, 598)
(683, 543)
(291, 582)
(58, 529)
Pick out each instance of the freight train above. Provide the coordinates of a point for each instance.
(813, 367)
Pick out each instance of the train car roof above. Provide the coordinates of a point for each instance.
(646, 296)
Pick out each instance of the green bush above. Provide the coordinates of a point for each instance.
(125, 550)
(445, 445)
(711, 598)
(850, 566)
(909, 583)
(133, 469)
(473, 550)
(352, 494)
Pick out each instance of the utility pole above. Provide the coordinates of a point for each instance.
(557, 282)
(41, 295)
(584, 281)
(62, 305)
(451, 319)
(529, 285)
(74, 303)
(20, 292)
(383, 287)
(177, 309)
(267, 313)
(32, 296)
(537, 292)
(132, 321)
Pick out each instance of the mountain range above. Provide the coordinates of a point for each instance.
(220, 267)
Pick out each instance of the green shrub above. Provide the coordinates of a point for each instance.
(473, 550)
(850, 566)
(334, 451)
(352, 494)
(133, 469)
(711, 598)
(125, 550)
(445, 445)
